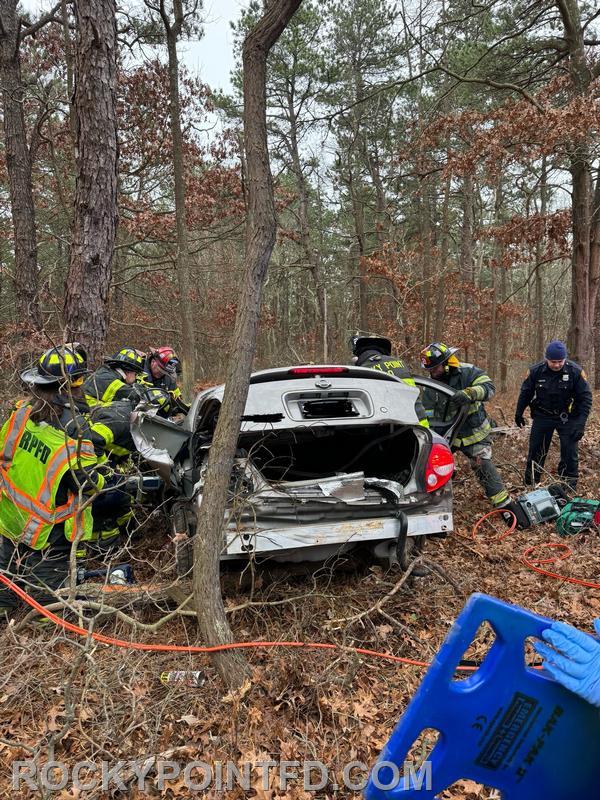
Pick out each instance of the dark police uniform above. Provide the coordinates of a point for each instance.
(559, 401)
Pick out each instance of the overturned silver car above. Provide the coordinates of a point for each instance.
(329, 458)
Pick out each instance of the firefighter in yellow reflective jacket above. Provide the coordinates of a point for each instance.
(107, 426)
(116, 379)
(162, 366)
(375, 352)
(47, 479)
(473, 388)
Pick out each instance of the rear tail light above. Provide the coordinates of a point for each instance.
(314, 371)
(439, 469)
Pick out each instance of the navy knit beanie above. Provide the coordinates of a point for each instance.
(556, 350)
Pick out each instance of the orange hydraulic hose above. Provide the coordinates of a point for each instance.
(180, 648)
(567, 552)
(532, 564)
(491, 514)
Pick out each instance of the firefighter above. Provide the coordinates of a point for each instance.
(108, 427)
(560, 399)
(116, 379)
(47, 480)
(375, 352)
(473, 388)
(162, 400)
(160, 372)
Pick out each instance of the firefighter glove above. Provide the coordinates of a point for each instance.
(575, 660)
(520, 421)
(462, 398)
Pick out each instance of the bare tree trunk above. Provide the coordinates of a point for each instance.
(466, 237)
(18, 163)
(64, 11)
(504, 341)
(426, 258)
(382, 216)
(495, 323)
(358, 213)
(595, 270)
(539, 283)
(261, 228)
(313, 257)
(586, 235)
(95, 221)
(440, 301)
(580, 330)
(182, 258)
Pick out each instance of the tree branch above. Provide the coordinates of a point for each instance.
(31, 30)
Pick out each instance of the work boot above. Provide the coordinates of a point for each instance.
(515, 508)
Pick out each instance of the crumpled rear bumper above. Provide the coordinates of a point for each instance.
(302, 538)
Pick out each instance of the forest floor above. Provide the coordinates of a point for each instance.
(67, 700)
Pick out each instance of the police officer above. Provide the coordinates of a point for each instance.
(116, 379)
(375, 352)
(46, 478)
(160, 372)
(473, 388)
(560, 399)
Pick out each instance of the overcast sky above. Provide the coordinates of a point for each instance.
(211, 59)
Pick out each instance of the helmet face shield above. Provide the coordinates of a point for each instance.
(173, 366)
(436, 353)
(166, 360)
(426, 359)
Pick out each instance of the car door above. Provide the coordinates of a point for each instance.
(444, 416)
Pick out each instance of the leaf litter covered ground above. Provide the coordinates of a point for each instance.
(67, 700)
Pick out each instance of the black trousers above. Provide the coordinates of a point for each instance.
(34, 571)
(540, 438)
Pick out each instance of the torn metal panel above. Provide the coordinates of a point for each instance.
(158, 441)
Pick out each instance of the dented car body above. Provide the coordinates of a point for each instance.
(329, 458)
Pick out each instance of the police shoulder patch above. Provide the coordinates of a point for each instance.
(584, 375)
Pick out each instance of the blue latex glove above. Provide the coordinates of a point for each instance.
(576, 665)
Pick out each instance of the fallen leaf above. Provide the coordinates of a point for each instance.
(190, 719)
